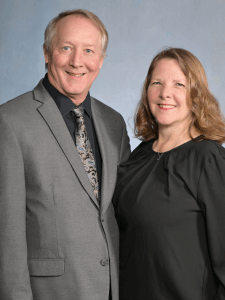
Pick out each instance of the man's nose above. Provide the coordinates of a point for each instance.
(76, 59)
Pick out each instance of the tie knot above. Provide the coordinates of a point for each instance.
(79, 112)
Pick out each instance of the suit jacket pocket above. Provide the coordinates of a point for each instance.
(46, 267)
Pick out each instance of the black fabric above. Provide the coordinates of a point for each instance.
(171, 216)
(66, 107)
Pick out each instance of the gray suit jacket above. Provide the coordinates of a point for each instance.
(56, 243)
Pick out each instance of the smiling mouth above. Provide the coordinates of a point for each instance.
(166, 105)
(75, 75)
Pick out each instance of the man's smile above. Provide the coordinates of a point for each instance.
(75, 75)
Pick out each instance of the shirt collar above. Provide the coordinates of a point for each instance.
(65, 104)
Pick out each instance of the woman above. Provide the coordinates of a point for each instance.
(170, 195)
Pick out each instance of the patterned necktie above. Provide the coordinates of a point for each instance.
(85, 151)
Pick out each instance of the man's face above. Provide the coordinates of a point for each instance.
(75, 58)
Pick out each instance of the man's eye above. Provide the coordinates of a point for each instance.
(88, 50)
(66, 48)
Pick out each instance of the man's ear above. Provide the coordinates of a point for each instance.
(101, 62)
(46, 54)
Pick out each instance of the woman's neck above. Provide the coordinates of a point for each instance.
(169, 139)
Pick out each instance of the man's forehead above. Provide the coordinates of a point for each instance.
(74, 20)
(65, 26)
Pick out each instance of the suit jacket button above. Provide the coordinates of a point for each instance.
(104, 262)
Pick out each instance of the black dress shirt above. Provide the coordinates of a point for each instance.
(66, 107)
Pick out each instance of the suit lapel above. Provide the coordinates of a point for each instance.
(53, 118)
(106, 148)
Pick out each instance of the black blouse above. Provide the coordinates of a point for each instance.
(171, 215)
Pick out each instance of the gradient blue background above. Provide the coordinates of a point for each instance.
(137, 29)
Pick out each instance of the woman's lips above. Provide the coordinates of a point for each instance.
(166, 106)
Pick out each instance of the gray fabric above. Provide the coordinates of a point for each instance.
(56, 243)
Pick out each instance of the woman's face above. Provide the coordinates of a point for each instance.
(167, 95)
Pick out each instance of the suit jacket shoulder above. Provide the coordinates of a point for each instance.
(105, 109)
(17, 103)
(22, 103)
(114, 127)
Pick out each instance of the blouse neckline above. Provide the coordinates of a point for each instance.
(179, 146)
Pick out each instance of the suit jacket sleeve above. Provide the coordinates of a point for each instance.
(125, 144)
(14, 274)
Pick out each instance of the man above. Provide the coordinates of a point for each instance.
(59, 152)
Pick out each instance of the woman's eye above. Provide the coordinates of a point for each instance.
(180, 84)
(156, 82)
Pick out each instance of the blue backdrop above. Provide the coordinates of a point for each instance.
(137, 29)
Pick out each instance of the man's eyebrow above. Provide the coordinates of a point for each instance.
(89, 45)
(66, 42)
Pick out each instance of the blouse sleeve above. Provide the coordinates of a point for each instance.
(211, 196)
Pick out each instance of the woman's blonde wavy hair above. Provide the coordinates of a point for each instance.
(206, 113)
